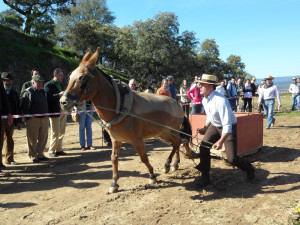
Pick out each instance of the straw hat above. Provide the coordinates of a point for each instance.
(294, 78)
(6, 76)
(209, 79)
(269, 78)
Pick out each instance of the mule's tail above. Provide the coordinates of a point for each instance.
(186, 130)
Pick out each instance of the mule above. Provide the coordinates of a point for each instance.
(150, 115)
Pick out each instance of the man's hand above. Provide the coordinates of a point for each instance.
(202, 130)
(61, 93)
(10, 119)
(280, 105)
(218, 145)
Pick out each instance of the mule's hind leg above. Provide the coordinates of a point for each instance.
(116, 146)
(175, 165)
(139, 146)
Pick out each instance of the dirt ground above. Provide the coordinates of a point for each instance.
(73, 189)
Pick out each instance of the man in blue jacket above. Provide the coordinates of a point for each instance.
(232, 93)
(55, 90)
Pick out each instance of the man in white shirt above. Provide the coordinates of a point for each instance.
(220, 128)
(294, 89)
(268, 93)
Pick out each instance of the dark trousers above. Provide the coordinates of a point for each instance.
(106, 136)
(247, 101)
(186, 109)
(212, 135)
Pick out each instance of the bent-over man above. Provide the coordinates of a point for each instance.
(220, 128)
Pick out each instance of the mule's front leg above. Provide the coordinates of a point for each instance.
(116, 146)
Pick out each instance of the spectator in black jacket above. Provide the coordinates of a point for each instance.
(7, 131)
(4, 110)
(55, 90)
(34, 101)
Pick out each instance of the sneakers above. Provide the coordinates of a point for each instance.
(90, 148)
(53, 154)
(61, 153)
(273, 122)
(14, 163)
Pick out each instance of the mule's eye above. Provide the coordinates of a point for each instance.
(80, 78)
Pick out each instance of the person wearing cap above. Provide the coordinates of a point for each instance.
(294, 89)
(4, 111)
(54, 90)
(164, 90)
(7, 131)
(171, 87)
(220, 129)
(268, 93)
(196, 97)
(35, 102)
(29, 83)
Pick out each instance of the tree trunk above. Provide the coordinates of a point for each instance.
(28, 25)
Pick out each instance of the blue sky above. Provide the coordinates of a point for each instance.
(265, 33)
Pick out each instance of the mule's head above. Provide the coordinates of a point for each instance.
(81, 85)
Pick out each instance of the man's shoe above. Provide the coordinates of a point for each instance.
(14, 163)
(251, 174)
(267, 128)
(82, 148)
(273, 122)
(90, 148)
(108, 144)
(53, 154)
(61, 153)
(35, 160)
(44, 158)
(204, 180)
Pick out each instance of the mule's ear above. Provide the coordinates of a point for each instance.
(92, 61)
(87, 56)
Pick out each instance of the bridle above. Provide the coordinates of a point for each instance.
(84, 86)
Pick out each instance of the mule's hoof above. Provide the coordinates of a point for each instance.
(174, 168)
(167, 169)
(113, 190)
(152, 181)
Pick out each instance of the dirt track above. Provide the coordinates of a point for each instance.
(73, 189)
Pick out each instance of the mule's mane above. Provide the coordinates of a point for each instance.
(107, 77)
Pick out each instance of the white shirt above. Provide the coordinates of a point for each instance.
(294, 89)
(269, 93)
(219, 112)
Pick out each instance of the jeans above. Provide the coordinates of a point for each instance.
(298, 101)
(232, 102)
(85, 124)
(269, 111)
(294, 101)
(197, 108)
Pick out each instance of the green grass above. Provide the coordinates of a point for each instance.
(285, 109)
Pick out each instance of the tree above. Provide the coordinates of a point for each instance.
(82, 28)
(12, 19)
(43, 26)
(155, 49)
(32, 10)
(235, 67)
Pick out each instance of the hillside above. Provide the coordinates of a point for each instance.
(20, 53)
(282, 83)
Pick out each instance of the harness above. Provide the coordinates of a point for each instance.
(124, 95)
